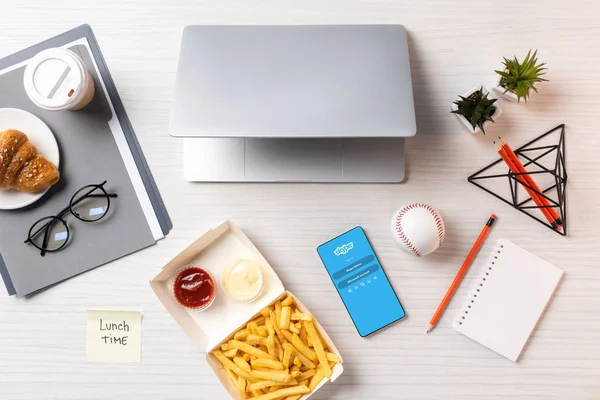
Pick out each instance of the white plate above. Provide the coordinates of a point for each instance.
(41, 137)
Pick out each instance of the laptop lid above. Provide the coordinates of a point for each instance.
(293, 81)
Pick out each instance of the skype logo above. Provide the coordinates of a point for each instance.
(343, 249)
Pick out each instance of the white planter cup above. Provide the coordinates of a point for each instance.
(466, 123)
(56, 79)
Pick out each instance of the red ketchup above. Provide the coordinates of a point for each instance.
(194, 288)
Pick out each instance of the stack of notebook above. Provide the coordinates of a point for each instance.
(96, 144)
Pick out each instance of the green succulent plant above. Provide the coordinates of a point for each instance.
(519, 78)
(476, 108)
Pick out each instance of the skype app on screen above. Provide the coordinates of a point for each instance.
(361, 281)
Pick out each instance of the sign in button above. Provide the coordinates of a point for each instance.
(353, 267)
(355, 278)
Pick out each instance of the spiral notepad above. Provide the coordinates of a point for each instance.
(507, 300)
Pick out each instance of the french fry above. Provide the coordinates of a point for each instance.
(306, 375)
(275, 324)
(293, 397)
(241, 384)
(301, 347)
(271, 347)
(293, 329)
(287, 334)
(295, 368)
(225, 347)
(278, 311)
(260, 321)
(284, 318)
(246, 348)
(263, 331)
(269, 326)
(333, 357)
(288, 301)
(300, 316)
(265, 311)
(228, 364)
(303, 335)
(277, 376)
(295, 374)
(282, 393)
(252, 327)
(297, 361)
(230, 353)
(278, 348)
(238, 382)
(332, 364)
(304, 361)
(316, 379)
(247, 357)
(319, 349)
(287, 354)
(271, 364)
(232, 376)
(267, 384)
(241, 334)
(304, 382)
(256, 393)
(256, 340)
(239, 361)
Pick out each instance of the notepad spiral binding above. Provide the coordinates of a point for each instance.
(480, 282)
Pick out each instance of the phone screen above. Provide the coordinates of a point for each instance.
(361, 282)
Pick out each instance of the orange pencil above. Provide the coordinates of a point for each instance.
(461, 272)
(510, 162)
(555, 221)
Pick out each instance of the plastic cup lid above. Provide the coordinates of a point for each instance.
(55, 79)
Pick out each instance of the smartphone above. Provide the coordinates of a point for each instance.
(361, 282)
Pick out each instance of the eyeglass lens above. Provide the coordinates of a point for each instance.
(52, 234)
(90, 204)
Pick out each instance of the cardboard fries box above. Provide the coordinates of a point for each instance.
(213, 251)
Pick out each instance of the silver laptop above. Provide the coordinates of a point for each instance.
(294, 103)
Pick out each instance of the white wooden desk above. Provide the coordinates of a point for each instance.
(454, 45)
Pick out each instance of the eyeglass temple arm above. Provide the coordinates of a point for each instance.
(46, 238)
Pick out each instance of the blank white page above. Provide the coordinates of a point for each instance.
(508, 299)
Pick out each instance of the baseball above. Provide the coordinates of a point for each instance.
(418, 229)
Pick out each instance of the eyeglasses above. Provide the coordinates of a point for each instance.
(90, 204)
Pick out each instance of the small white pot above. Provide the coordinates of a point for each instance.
(466, 123)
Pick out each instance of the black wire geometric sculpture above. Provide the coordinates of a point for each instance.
(555, 177)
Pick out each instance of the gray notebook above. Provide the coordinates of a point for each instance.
(96, 144)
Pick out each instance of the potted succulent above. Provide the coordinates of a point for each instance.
(516, 80)
(475, 110)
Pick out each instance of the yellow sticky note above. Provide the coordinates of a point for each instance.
(114, 336)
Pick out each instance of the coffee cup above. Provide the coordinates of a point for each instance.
(57, 80)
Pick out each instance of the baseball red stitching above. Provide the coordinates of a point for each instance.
(436, 217)
(400, 232)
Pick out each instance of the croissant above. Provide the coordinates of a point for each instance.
(22, 167)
